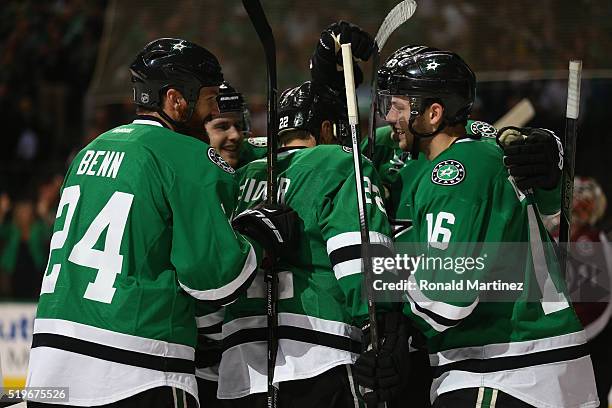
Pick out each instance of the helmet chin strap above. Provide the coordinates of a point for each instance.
(179, 127)
(414, 150)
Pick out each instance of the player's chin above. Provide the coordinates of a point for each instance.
(230, 156)
(395, 135)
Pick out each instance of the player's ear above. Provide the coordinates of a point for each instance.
(436, 112)
(174, 103)
(327, 133)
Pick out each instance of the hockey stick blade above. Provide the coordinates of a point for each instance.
(518, 116)
(396, 17)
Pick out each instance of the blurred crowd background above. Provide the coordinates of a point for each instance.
(64, 79)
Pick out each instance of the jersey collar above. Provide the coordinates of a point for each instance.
(149, 120)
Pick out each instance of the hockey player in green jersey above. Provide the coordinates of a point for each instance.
(230, 133)
(320, 309)
(526, 352)
(228, 130)
(142, 232)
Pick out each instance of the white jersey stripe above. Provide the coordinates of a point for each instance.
(435, 325)
(113, 339)
(507, 349)
(442, 309)
(354, 238)
(295, 320)
(249, 268)
(347, 268)
(210, 319)
(48, 368)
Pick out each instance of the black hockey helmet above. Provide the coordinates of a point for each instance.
(232, 101)
(173, 63)
(307, 106)
(427, 75)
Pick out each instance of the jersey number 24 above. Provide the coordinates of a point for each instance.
(108, 261)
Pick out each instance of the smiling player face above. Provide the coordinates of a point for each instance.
(398, 116)
(226, 135)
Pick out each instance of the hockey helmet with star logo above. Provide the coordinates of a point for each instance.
(426, 75)
(172, 63)
(307, 106)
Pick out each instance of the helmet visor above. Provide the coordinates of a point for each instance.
(392, 107)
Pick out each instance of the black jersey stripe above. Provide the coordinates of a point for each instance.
(490, 365)
(350, 252)
(116, 355)
(293, 333)
(215, 328)
(444, 321)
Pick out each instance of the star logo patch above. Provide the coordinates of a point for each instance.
(179, 46)
(432, 66)
(448, 173)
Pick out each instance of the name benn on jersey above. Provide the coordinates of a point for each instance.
(103, 163)
(254, 190)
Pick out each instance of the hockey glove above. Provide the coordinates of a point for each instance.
(384, 376)
(533, 156)
(326, 63)
(273, 227)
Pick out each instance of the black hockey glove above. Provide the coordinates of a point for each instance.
(326, 63)
(533, 156)
(273, 227)
(384, 376)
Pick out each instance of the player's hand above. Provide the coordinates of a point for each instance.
(384, 376)
(326, 63)
(273, 227)
(533, 156)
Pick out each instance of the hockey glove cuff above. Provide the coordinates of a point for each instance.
(533, 156)
(273, 227)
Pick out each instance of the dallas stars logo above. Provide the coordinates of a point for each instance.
(218, 160)
(448, 173)
(432, 65)
(483, 129)
(179, 46)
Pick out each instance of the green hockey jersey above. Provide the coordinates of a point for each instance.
(252, 148)
(530, 346)
(320, 307)
(142, 231)
(410, 172)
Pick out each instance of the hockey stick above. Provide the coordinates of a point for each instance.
(518, 116)
(396, 17)
(353, 116)
(260, 22)
(569, 146)
(351, 102)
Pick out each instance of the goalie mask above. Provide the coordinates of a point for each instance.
(172, 63)
(589, 201)
(417, 76)
(307, 106)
